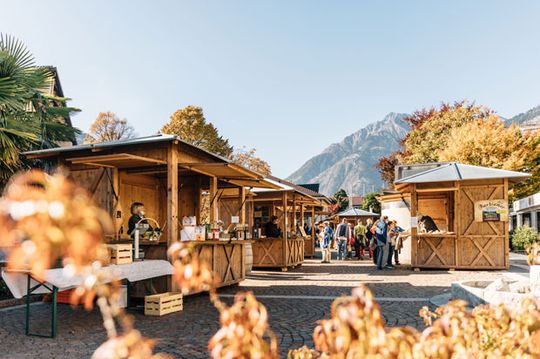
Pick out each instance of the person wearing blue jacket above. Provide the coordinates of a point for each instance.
(381, 234)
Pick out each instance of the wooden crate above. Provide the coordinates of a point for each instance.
(163, 303)
(121, 253)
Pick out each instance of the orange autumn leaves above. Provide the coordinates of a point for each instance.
(45, 218)
(356, 330)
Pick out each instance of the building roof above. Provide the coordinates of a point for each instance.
(356, 200)
(285, 185)
(355, 212)
(117, 143)
(454, 171)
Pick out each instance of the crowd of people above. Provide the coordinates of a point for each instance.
(380, 240)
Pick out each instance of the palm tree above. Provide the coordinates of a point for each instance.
(29, 119)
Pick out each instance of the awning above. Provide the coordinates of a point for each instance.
(118, 160)
(230, 173)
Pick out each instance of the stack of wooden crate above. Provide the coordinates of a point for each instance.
(163, 303)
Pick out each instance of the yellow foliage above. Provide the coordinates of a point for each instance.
(247, 159)
(190, 125)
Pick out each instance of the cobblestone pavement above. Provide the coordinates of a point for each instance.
(295, 301)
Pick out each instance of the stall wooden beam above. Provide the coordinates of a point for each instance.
(242, 191)
(213, 200)
(172, 194)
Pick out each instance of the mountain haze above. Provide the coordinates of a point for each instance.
(350, 164)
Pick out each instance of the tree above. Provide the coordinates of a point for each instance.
(386, 167)
(108, 127)
(340, 201)
(489, 143)
(190, 125)
(430, 130)
(468, 134)
(371, 203)
(247, 159)
(29, 118)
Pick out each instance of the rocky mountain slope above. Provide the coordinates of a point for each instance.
(525, 117)
(350, 164)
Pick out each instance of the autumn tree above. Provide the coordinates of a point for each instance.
(429, 133)
(248, 159)
(468, 134)
(191, 126)
(371, 203)
(108, 127)
(489, 143)
(340, 201)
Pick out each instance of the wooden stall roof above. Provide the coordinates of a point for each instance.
(119, 160)
(355, 212)
(454, 171)
(286, 186)
(92, 155)
(231, 173)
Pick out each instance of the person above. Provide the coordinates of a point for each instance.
(395, 242)
(327, 235)
(381, 235)
(137, 213)
(360, 239)
(370, 233)
(271, 228)
(350, 241)
(342, 234)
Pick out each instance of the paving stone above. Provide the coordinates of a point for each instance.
(293, 315)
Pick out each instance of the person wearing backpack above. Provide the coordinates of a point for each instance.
(342, 234)
(381, 234)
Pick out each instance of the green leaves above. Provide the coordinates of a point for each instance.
(29, 118)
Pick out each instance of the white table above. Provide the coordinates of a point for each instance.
(21, 283)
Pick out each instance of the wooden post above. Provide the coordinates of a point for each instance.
(117, 211)
(285, 222)
(506, 234)
(457, 222)
(302, 220)
(294, 223)
(214, 200)
(172, 194)
(414, 230)
(313, 224)
(243, 203)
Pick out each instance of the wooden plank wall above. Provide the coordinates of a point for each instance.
(481, 244)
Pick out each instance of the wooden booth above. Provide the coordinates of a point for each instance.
(352, 215)
(174, 180)
(467, 208)
(296, 209)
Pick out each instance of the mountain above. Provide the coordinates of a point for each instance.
(350, 164)
(525, 118)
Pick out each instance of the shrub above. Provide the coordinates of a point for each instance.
(524, 237)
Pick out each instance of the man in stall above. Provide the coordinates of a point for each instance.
(137, 218)
(271, 228)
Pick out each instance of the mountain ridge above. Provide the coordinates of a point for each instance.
(350, 164)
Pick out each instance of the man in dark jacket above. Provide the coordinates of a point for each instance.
(381, 234)
(271, 228)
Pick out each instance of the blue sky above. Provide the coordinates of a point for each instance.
(286, 77)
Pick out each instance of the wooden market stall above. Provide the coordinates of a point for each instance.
(458, 215)
(352, 215)
(296, 209)
(174, 180)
